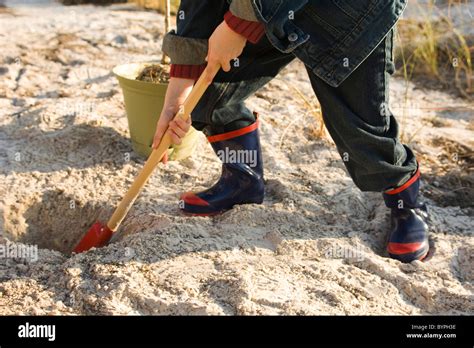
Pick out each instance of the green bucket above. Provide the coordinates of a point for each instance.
(143, 104)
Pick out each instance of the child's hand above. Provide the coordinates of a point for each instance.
(176, 94)
(224, 45)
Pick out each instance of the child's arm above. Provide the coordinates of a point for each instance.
(197, 21)
(207, 33)
(187, 46)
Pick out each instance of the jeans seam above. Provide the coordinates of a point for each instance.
(387, 75)
(385, 98)
(384, 84)
(343, 10)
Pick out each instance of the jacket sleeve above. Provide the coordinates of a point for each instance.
(241, 19)
(196, 21)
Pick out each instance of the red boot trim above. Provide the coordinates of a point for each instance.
(233, 134)
(403, 248)
(405, 185)
(192, 199)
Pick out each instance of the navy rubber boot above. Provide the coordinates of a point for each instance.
(408, 239)
(241, 181)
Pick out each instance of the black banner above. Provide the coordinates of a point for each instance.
(290, 331)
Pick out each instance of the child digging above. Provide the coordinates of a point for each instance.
(346, 47)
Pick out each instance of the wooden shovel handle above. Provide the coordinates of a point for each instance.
(157, 154)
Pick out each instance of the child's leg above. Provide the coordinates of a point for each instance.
(357, 116)
(233, 131)
(222, 108)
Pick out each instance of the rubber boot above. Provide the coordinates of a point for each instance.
(241, 181)
(408, 239)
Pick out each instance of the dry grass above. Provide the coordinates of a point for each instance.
(450, 178)
(313, 107)
(5, 10)
(156, 73)
(434, 51)
(95, 2)
(157, 5)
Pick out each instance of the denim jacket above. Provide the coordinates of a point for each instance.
(332, 37)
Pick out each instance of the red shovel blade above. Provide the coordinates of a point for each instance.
(97, 236)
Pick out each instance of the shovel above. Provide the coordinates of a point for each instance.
(100, 234)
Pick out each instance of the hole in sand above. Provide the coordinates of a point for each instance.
(54, 221)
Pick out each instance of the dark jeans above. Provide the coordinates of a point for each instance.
(356, 113)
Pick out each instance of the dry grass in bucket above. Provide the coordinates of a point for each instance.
(156, 73)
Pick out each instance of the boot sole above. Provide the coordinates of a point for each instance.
(197, 210)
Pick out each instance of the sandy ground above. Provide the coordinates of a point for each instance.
(316, 245)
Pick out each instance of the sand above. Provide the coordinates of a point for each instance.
(315, 246)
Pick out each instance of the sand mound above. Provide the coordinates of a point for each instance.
(315, 246)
